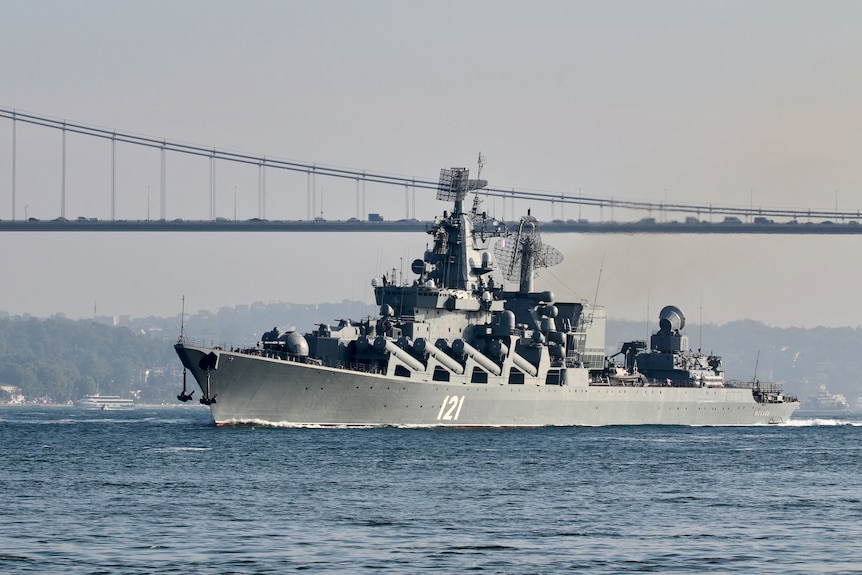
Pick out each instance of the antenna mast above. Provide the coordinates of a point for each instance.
(598, 282)
(700, 325)
(756, 362)
(476, 201)
(183, 320)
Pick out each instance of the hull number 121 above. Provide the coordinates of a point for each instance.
(451, 408)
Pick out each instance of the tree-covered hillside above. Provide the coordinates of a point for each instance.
(58, 360)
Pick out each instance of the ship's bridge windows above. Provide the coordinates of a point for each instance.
(553, 377)
(402, 371)
(516, 377)
(479, 375)
(440, 374)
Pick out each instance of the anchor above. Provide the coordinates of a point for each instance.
(206, 399)
(184, 396)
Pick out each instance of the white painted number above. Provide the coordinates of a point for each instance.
(453, 403)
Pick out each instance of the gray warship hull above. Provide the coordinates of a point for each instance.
(250, 389)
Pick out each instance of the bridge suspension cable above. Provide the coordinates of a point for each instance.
(313, 170)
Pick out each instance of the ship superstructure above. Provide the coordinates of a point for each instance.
(455, 345)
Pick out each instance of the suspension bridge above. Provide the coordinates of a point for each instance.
(21, 149)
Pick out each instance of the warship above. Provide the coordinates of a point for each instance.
(826, 400)
(469, 342)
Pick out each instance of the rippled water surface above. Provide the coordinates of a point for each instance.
(164, 491)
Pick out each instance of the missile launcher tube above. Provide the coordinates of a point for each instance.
(422, 346)
(461, 346)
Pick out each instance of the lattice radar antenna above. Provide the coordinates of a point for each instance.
(520, 255)
(455, 183)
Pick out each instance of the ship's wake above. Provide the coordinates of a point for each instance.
(821, 422)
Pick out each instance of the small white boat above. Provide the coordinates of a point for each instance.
(105, 402)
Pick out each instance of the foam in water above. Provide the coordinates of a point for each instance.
(820, 422)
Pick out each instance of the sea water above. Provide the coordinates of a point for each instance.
(162, 490)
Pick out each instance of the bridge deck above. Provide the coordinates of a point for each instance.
(823, 228)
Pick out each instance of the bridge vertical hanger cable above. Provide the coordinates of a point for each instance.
(308, 195)
(260, 190)
(14, 159)
(63, 182)
(113, 178)
(213, 194)
(356, 200)
(163, 192)
(210, 191)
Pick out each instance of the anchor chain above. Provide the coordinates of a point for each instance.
(206, 399)
(184, 395)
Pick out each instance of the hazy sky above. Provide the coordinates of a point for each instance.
(735, 103)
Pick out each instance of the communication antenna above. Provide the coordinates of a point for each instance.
(476, 201)
(756, 362)
(599, 281)
(700, 325)
(183, 320)
(647, 315)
